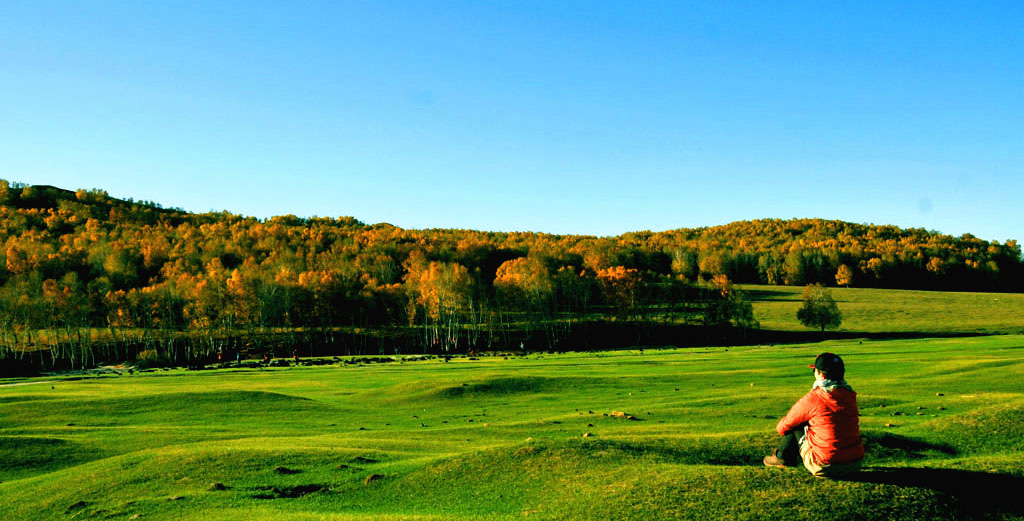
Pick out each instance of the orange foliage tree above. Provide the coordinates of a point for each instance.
(619, 286)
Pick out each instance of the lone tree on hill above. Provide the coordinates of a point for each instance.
(819, 310)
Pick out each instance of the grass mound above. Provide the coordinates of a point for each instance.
(23, 398)
(180, 477)
(24, 456)
(214, 402)
(993, 429)
(177, 408)
(611, 479)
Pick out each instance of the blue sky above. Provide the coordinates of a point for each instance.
(569, 117)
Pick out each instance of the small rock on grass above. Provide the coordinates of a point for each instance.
(286, 470)
(372, 478)
(218, 486)
(620, 414)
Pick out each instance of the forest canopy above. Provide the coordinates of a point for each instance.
(84, 259)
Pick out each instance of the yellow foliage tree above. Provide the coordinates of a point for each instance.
(442, 291)
(844, 275)
(524, 278)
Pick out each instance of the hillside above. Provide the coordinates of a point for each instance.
(72, 260)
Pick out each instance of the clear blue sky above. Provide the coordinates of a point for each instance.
(576, 117)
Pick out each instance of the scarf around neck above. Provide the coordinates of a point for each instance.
(831, 385)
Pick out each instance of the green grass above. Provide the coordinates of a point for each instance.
(897, 311)
(500, 438)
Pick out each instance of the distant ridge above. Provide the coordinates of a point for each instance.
(768, 251)
(103, 279)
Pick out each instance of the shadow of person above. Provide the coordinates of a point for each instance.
(893, 447)
(974, 492)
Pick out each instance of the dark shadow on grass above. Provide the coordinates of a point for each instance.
(286, 492)
(772, 336)
(883, 446)
(976, 493)
(599, 335)
(724, 451)
(767, 295)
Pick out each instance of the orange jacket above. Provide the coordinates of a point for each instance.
(834, 432)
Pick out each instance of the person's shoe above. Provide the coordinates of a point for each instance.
(772, 461)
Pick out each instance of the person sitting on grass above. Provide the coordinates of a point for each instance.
(822, 429)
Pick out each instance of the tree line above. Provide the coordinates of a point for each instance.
(84, 277)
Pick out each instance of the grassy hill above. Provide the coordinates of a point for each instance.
(897, 311)
(503, 438)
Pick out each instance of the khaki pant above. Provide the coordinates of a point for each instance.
(825, 471)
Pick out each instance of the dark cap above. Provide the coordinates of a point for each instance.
(831, 365)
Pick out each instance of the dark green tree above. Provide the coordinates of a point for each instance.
(819, 310)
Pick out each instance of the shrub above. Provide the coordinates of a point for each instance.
(150, 358)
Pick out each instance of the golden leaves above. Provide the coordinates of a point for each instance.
(525, 276)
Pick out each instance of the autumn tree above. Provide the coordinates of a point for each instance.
(770, 269)
(819, 310)
(526, 284)
(727, 305)
(793, 266)
(713, 263)
(684, 263)
(620, 287)
(844, 275)
(574, 290)
(440, 293)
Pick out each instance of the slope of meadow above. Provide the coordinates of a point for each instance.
(503, 438)
(897, 311)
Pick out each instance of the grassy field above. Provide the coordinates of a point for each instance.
(897, 311)
(503, 438)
